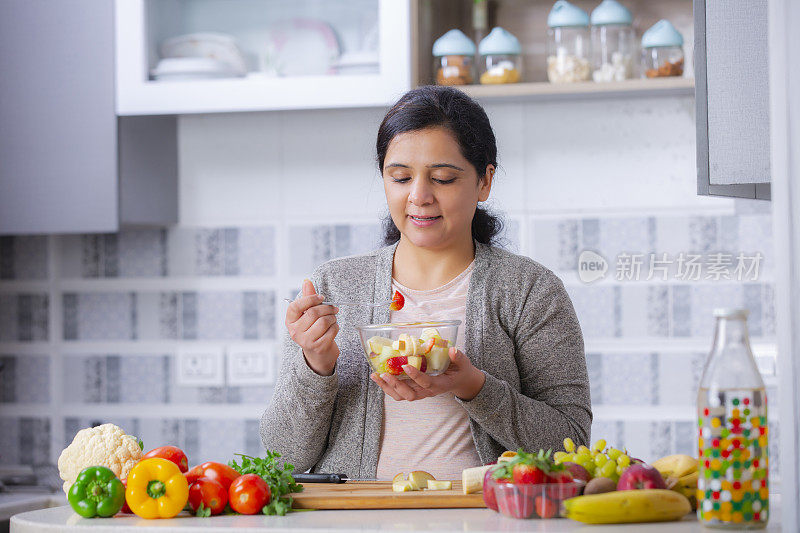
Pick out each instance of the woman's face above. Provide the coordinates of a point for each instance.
(431, 189)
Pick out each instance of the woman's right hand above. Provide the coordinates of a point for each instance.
(313, 327)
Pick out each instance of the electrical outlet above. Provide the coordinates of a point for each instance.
(251, 365)
(201, 367)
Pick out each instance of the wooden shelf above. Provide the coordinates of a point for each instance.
(541, 91)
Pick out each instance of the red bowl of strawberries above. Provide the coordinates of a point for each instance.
(529, 486)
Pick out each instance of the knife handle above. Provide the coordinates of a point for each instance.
(319, 478)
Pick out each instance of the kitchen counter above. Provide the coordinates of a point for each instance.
(12, 503)
(432, 520)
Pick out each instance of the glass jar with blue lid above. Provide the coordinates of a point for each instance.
(500, 58)
(662, 51)
(568, 44)
(453, 55)
(612, 42)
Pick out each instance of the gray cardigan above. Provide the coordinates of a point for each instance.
(521, 331)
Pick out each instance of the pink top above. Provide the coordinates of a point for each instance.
(432, 434)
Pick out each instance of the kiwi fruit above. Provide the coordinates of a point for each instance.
(600, 485)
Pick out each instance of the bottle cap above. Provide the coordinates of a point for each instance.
(453, 43)
(730, 312)
(662, 33)
(565, 14)
(499, 42)
(611, 12)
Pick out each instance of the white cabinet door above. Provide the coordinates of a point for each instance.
(270, 37)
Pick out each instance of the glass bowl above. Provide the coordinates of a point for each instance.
(532, 501)
(425, 345)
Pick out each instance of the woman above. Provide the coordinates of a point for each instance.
(517, 376)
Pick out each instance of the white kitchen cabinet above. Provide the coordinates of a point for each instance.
(68, 164)
(271, 40)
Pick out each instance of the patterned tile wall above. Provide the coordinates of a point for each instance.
(148, 290)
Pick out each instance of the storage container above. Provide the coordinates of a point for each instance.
(612, 42)
(662, 51)
(453, 55)
(568, 44)
(500, 58)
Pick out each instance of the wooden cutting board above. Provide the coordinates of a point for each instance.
(379, 495)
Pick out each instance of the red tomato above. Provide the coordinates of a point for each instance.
(170, 453)
(125, 508)
(216, 471)
(248, 494)
(546, 508)
(208, 492)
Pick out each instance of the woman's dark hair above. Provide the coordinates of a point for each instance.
(434, 106)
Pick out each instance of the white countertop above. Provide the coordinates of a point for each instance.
(431, 520)
(12, 503)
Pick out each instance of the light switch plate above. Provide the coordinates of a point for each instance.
(201, 367)
(252, 364)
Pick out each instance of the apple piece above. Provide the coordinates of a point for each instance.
(640, 476)
(411, 344)
(439, 485)
(415, 361)
(427, 333)
(405, 345)
(419, 479)
(438, 358)
(403, 485)
(377, 343)
(388, 352)
(427, 345)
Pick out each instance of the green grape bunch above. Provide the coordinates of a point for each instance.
(599, 460)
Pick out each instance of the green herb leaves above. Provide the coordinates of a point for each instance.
(278, 477)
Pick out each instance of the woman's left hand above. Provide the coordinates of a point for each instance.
(461, 378)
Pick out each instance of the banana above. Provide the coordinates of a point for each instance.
(677, 465)
(624, 506)
(680, 472)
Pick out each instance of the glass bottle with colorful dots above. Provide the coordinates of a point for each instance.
(732, 488)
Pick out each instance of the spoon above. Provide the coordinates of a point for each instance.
(396, 303)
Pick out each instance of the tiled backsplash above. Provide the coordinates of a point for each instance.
(91, 325)
(155, 309)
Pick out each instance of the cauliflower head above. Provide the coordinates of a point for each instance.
(104, 445)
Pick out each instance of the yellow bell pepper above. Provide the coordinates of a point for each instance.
(156, 489)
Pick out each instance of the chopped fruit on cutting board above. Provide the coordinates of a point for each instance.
(439, 485)
(416, 480)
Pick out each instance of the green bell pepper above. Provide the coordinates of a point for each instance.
(96, 492)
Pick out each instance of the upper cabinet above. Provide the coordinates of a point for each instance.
(206, 56)
(732, 100)
(68, 164)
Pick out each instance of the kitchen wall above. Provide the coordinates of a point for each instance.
(91, 325)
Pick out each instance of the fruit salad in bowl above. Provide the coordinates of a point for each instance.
(423, 345)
